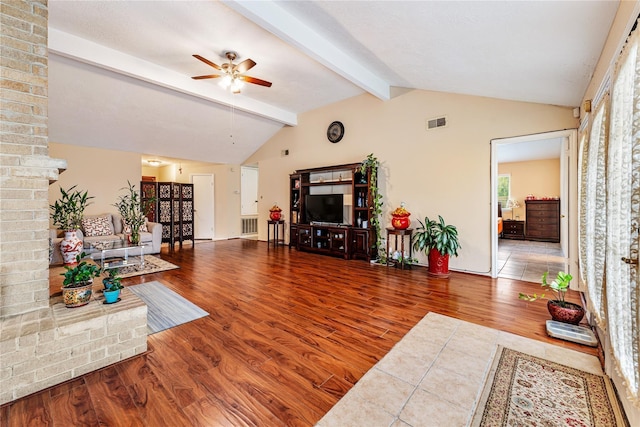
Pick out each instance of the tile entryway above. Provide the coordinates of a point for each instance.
(435, 375)
(527, 260)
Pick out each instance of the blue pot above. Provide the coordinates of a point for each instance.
(111, 296)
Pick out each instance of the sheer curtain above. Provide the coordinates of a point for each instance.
(623, 196)
(593, 219)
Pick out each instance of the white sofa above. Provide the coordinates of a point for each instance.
(151, 239)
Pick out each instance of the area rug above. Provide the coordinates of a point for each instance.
(165, 308)
(152, 264)
(523, 390)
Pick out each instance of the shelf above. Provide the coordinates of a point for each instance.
(318, 184)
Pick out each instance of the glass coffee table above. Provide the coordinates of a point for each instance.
(115, 254)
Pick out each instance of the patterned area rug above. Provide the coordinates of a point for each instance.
(165, 308)
(152, 264)
(524, 390)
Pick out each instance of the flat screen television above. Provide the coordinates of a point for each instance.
(324, 208)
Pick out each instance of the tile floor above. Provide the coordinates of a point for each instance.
(434, 376)
(528, 260)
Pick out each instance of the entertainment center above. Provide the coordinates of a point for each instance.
(330, 211)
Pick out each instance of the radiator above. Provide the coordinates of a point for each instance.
(250, 225)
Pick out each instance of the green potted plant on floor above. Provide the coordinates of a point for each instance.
(133, 211)
(66, 214)
(78, 282)
(438, 241)
(371, 164)
(112, 286)
(560, 309)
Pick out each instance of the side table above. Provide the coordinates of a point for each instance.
(402, 233)
(276, 225)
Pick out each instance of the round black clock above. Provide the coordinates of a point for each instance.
(335, 132)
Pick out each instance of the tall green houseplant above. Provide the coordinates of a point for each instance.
(133, 210)
(67, 211)
(372, 164)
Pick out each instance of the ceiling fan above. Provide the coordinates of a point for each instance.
(232, 74)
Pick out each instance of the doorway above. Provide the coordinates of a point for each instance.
(537, 256)
(203, 206)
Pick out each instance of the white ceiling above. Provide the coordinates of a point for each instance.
(119, 71)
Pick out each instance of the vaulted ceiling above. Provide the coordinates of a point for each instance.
(120, 71)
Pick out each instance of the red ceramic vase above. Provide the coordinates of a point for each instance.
(275, 215)
(438, 264)
(400, 222)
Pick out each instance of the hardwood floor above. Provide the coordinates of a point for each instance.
(288, 334)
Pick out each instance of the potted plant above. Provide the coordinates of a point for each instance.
(66, 214)
(112, 286)
(372, 164)
(560, 309)
(78, 282)
(133, 211)
(439, 242)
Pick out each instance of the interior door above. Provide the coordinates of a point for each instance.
(203, 206)
(249, 191)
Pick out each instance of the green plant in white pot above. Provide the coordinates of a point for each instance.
(66, 214)
(133, 211)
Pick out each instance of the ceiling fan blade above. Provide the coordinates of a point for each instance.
(206, 61)
(208, 76)
(244, 66)
(255, 81)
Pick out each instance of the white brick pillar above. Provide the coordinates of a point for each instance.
(26, 168)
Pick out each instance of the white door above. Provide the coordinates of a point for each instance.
(203, 206)
(249, 191)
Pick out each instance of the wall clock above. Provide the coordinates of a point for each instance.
(335, 132)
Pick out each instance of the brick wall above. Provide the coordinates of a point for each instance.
(42, 343)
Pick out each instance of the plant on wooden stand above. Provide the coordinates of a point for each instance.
(78, 282)
(560, 309)
(66, 214)
(438, 241)
(133, 210)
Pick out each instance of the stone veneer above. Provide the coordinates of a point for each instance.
(55, 344)
(42, 343)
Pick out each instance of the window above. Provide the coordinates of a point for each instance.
(504, 189)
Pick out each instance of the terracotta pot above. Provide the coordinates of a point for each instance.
(275, 215)
(400, 222)
(78, 296)
(70, 247)
(438, 264)
(572, 313)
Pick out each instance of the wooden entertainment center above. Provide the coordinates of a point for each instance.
(352, 238)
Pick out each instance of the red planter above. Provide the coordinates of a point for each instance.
(438, 264)
(573, 313)
(275, 215)
(400, 222)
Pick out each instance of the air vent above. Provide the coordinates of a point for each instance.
(438, 122)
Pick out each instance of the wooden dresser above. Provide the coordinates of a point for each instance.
(543, 220)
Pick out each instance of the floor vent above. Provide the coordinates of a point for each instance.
(438, 122)
(250, 225)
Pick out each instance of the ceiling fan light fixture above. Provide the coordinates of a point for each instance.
(226, 81)
(236, 85)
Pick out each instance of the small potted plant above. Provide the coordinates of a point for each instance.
(112, 286)
(438, 241)
(78, 282)
(66, 214)
(560, 309)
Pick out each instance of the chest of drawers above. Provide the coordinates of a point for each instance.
(543, 220)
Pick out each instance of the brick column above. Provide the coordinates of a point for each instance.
(26, 168)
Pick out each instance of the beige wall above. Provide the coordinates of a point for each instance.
(540, 178)
(105, 172)
(444, 171)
